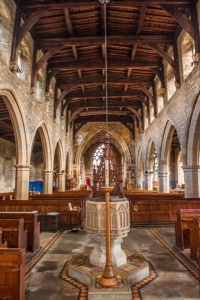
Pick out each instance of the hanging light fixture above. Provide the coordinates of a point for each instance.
(108, 278)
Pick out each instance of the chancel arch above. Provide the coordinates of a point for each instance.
(97, 135)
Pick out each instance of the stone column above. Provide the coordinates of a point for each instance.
(22, 182)
(192, 181)
(48, 182)
(163, 178)
(139, 178)
(148, 180)
(61, 182)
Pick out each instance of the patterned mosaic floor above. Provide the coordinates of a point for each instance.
(135, 262)
(83, 290)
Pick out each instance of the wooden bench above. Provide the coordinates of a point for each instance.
(12, 273)
(194, 238)
(7, 196)
(46, 206)
(79, 194)
(2, 245)
(31, 224)
(14, 233)
(183, 224)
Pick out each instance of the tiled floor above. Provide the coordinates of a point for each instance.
(175, 278)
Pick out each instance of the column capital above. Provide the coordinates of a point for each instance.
(190, 167)
(48, 171)
(163, 173)
(23, 166)
(62, 174)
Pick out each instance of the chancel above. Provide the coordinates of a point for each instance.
(99, 149)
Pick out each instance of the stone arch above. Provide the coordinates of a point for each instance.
(46, 145)
(165, 147)
(67, 167)
(103, 127)
(150, 151)
(60, 153)
(149, 163)
(191, 156)
(193, 133)
(140, 170)
(164, 159)
(19, 124)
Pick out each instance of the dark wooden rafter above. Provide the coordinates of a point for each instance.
(20, 32)
(50, 74)
(164, 54)
(160, 73)
(69, 87)
(98, 79)
(119, 3)
(145, 90)
(98, 63)
(139, 26)
(195, 22)
(99, 40)
(38, 65)
(70, 35)
(182, 19)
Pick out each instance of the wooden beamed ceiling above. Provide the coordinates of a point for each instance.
(71, 36)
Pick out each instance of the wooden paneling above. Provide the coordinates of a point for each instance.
(30, 222)
(12, 273)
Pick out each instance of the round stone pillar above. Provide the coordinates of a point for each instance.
(192, 181)
(22, 182)
(148, 180)
(163, 179)
(48, 182)
(61, 182)
(95, 227)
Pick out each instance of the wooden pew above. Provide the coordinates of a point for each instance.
(68, 195)
(31, 224)
(14, 233)
(7, 196)
(2, 245)
(194, 238)
(183, 224)
(12, 273)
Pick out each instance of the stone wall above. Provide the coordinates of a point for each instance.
(7, 169)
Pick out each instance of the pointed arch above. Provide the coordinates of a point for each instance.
(192, 135)
(114, 134)
(149, 155)
(140, 169)
(19, 124)
(46, 145)
(60, 154)
(165, 146)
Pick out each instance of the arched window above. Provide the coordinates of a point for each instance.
(98, 155)
(99, 168)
